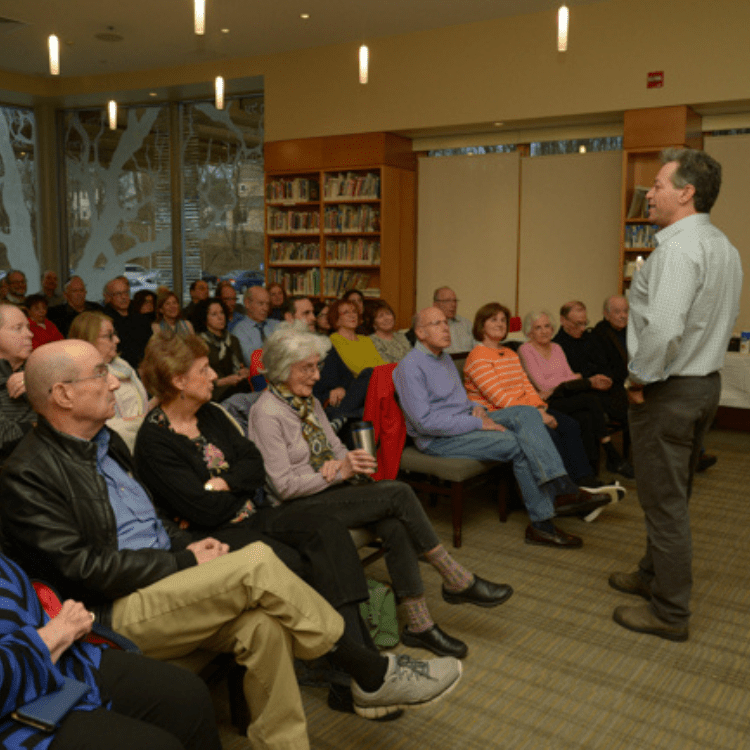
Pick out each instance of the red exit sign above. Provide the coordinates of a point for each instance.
(655, 79)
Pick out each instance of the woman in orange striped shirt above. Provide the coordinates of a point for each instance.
(495, 379)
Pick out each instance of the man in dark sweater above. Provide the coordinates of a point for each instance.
(133, 329)
(76, 303)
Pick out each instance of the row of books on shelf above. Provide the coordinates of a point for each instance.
(293, 189)
(293, 221)
(352, 219)
(335, 283)
(290, 252)
(351, 185)
(640, 235)
(352, 250)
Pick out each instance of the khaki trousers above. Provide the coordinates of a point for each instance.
(250, 604)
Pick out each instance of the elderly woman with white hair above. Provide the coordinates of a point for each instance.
(307, 467)
(567, 392)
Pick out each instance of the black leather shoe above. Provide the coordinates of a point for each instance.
(706, 461)
(482, 593)
(557, 539)
(621, 467)
(435, 640)
(581, 503)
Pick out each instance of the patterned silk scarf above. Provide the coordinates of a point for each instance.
(312, 430)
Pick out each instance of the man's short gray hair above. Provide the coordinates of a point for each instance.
(288, 344)
(532, 316)
(698, 169)
(107, 293)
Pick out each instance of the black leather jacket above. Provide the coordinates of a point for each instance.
(58, 524)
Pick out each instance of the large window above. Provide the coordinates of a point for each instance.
(18, 194)
(119, 194)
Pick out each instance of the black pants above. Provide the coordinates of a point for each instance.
(586, 409)
(155, 706)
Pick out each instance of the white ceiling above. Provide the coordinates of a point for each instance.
(159, 33)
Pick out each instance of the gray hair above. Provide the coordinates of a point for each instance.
(66, 288)
(609, 300)
(124, 278)
(532, 316)
(288, 344)
(698, 169)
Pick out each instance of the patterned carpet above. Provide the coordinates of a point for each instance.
(550, 669)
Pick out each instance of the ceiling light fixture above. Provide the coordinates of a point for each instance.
(498, 124)
(364, 64)
(200, 17)
(112, 109)
(53, 44)
(304, 16)
(562, 28)
(219, 92)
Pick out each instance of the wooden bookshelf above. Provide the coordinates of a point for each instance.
(647, 133)
(340, 213)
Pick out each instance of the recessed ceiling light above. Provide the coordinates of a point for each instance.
(152, 93)
(498, 124)
(304, 16)
(225, 31)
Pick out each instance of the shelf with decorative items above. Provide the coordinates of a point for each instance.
(362, 190)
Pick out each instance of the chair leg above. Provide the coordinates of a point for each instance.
(457, 506)
(502, 499)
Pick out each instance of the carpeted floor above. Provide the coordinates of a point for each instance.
(550, 669)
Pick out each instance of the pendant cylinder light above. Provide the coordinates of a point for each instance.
(562, 28)
(112, 111)
(200, 17)
(364, 64)
(53, 44)
(219, 92)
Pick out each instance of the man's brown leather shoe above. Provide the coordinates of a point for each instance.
(557, 539)
(580, 503)
(630, 583)
(642, 620)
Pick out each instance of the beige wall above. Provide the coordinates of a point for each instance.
(731, 213)
(506, 69)
(467, 229)
(570, 236)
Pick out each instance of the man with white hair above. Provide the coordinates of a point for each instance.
(49, 289)
(73, 304)
(446, 301)
(17, 286)
(253, 330)
(133, 329)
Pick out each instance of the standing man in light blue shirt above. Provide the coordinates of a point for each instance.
(683, 305)
(253, 330)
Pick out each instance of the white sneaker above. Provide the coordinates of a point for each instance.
(408, 683)
(616, 493)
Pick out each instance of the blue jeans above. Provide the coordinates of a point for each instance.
(525, 442)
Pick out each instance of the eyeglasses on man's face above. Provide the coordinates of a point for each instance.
(101, 372)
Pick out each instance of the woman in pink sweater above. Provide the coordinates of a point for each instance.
(566, 391)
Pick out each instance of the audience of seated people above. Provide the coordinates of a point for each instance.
(75, 516)
(16, 415)
(75, 303)
(278, 298)
(17, 286)
(584, 354)
(131, 701)
(133, 329)
(308, 468)
(131, 400)
(224, 352)
(49, 289)
(495, 379)
(253, 330)
(357, 351)
(392, 345)
(169, 317)
(444, 422)
(228, 295)
(569, 392)
(43, 330)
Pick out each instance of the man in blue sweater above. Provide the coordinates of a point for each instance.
(444, 422)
